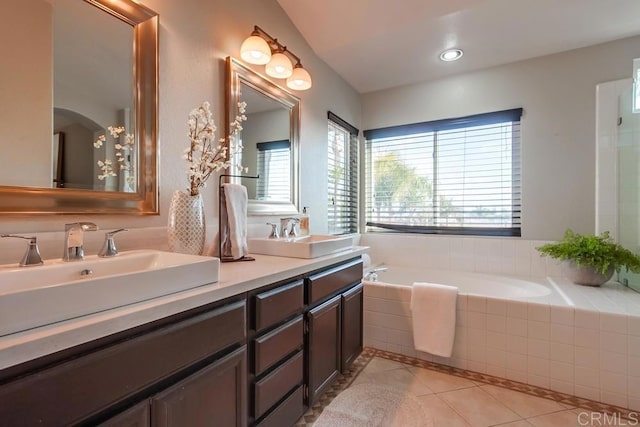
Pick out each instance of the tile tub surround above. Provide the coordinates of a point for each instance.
(580, 350)
(492, 255)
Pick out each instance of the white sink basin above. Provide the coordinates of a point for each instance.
(300, 247)
(37, 296)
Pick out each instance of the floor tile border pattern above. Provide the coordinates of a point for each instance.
(563, 398)
(340, 384)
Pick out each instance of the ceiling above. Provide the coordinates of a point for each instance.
(378, 44)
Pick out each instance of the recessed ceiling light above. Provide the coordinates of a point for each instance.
(451, 55)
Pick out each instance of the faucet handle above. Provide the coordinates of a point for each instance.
(293, 232)
(109, 248)
(32, 256)
(284, 224)
(274, 230)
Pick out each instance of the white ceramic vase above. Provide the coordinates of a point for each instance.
(186, 228)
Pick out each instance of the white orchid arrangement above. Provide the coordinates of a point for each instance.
(206, 155)
(122, 148)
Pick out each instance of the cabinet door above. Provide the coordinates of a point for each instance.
(351, 327)
(137, 416)
(215, 395)
(324, 346)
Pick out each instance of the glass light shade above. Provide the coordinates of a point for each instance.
(255, 50)
(299, 80)
(280, 66)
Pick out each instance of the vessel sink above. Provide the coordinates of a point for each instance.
(36, 296)
(311, 246)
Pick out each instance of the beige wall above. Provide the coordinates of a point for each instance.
(557, 93)
(195, 37)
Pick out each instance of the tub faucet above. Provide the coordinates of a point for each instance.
(372, 275)
(74, 240)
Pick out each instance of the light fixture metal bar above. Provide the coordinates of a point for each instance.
(257, 31)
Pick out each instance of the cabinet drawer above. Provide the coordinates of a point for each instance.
(288, 412)
(82, 387)
(278, 304)
(275, 345)
(330, 281)
(277, 384)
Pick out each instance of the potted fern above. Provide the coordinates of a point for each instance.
(591, 260)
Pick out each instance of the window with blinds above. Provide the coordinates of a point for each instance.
(342, 176)
(273, 166)
(453, 176)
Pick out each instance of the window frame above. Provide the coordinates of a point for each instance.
(513, 116)
(351, 193)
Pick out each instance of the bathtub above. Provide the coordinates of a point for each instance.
(489, 285)
(611, 298)
(543, 331)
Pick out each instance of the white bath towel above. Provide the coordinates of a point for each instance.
(234, 202)
(433, 314)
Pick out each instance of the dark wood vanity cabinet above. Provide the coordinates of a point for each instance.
(276, 340)
(334, 324)
(304, 332)
(119, 376)
(258, 358)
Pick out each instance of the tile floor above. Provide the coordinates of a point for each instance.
(454, 401)
(466, 399)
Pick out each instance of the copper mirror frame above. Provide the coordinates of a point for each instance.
(237, 74)
(44, 201)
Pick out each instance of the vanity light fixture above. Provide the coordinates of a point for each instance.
(255, 50)
(451, 55)
(262, 49)
(280, 66)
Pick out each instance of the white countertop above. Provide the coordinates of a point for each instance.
(235, 278)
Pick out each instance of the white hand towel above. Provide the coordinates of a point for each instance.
(235, 201)
(433, 314)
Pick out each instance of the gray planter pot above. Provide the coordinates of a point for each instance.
(585, 275)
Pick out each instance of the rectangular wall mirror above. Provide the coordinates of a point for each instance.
(270, 137)
(78, 126)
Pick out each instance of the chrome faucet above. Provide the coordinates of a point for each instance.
(74, 240)
(32, 256)
(284, 225)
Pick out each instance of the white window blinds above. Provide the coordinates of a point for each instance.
(342, 176)
(273, 166)
(455, 176)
